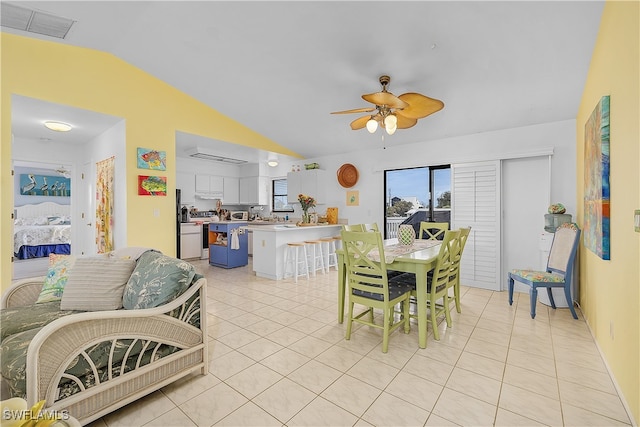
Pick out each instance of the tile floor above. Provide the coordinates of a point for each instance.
(278, 357)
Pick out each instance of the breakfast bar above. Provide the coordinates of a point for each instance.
(270, 243)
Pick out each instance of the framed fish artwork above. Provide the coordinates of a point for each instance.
(152, 159)
(152, 185)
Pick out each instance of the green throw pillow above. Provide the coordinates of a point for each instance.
(156, 280)
(57, 274)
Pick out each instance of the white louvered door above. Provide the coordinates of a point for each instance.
(475, 202)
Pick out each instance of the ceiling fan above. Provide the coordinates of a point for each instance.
(64, 172)
(393, 112)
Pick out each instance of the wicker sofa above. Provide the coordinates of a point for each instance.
(90, 363)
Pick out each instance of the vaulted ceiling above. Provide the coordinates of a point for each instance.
(280, 68)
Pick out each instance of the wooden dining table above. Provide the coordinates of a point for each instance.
(419, 261)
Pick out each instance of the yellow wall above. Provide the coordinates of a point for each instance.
(610, 290)
(100, 82)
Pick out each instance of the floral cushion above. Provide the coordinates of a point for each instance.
(56, 279)
(156, 280)
(538, 276)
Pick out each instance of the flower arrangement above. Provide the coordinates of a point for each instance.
(306, 202)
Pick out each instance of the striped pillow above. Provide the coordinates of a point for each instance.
(96, 284)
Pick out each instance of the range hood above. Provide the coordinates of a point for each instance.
(208, 154)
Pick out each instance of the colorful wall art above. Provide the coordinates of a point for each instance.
(596, 230)
(44, 185)
(152, 185)
(152, 159)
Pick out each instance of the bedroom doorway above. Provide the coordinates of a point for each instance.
(68, 153)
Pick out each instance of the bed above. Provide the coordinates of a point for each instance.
(41, 229)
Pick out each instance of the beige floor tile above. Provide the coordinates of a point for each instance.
(389, 410)
(532, 381)
(482, 365)
(532, 362)
(579, 417)
(475, 385)
(429, 369)
(437, 421)
(189, 387)
(220, 329)
(285, 336)
(141, 411)
(315, 376)
(493, 325)
(586, 377)
(491, 336)
(284, 399)
(530, 405)
(330, 333)
(229, 364)
(415, 390)
(244, 319)
(506, 418)
(260, 348)
(264, 327)
(173, 418)
(239, 338)
(285, 361)
(213, 405)
(487, 349)
(339, 358)
(254, 380)
(217, 349)
(321, 412)
(310, 346)
(250, 415)
(463, 409)
(351, 394)
(592, 400)
(373, 372)
(396, 358)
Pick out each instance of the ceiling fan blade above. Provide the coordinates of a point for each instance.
(357, 110)
(419, 106)
(360, 122)
(385, 98)
(405, 122)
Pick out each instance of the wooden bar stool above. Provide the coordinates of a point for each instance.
(293, 258)
(329, 252)
(316, 257)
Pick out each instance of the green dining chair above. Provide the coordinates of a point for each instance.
(558, 272)
(432, 230)
(361, 227)
(439, 281)
(455, 269)
(368, 285)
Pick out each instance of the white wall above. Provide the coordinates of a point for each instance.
(557, 137)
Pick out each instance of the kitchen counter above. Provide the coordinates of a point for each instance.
(270, 243)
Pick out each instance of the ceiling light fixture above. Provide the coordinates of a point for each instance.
(273, 161)
(393, 112)
(58, 126)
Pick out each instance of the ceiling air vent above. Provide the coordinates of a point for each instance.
(203, 153)
(33, 21)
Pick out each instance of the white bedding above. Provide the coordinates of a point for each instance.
(46, 223)
(34, 235)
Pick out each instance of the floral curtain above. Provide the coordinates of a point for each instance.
(104, 205)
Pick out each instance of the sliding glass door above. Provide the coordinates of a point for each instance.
(416, 194)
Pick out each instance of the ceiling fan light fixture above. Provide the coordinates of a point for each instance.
(391, 121)
(58, 126)
(372, 125)
(391, 130)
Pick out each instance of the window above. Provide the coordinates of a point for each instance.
(416, 194)
(279, 201)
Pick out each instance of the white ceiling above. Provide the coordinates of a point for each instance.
(280, 68)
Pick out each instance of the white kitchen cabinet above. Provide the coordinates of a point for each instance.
(231, 193)
(309, 182)
(254, 190)
(209, 184)
(190, 240)
(185, 182)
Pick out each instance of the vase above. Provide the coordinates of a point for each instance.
(306, 218)
(406, 234)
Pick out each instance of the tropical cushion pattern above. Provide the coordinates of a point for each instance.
(156, 280)
(56, 279)
(538, 276)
